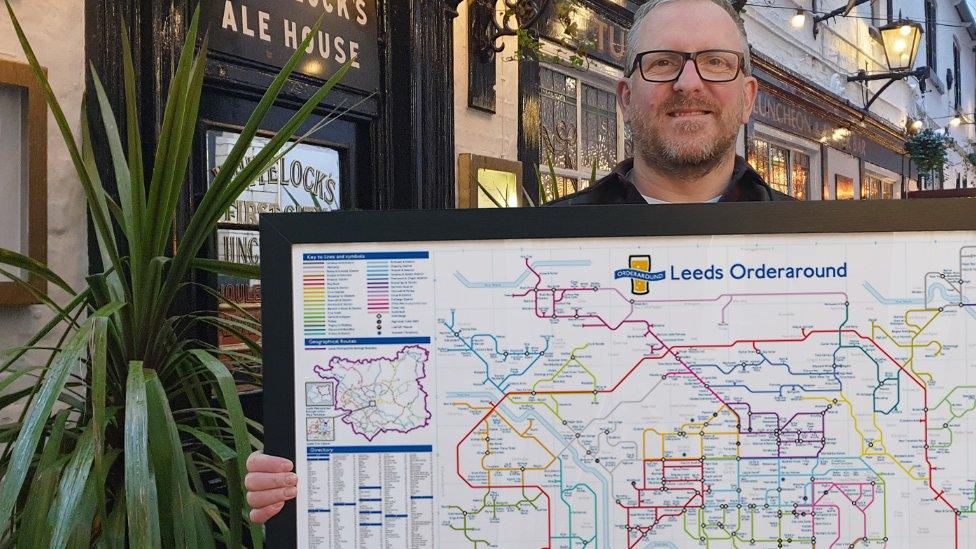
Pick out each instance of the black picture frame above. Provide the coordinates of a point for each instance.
(280, 231)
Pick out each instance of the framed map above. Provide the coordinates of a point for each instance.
(734, 375)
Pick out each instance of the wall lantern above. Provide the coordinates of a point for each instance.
(901, 40)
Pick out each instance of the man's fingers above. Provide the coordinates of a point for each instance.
(262, 463)
(264, 498)
(261, 515)
(267, 481)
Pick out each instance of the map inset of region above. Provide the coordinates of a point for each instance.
(378, 395)
(320, 429)
(320, 394)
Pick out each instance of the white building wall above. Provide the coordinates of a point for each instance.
(938, 104)
(56, 32)
(845, 45)
(476, 131)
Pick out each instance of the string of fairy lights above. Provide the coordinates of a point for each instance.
(801, 16)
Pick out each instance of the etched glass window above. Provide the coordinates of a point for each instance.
(579, 130)
(557, 96)
(599, 128)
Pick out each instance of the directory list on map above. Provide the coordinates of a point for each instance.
(664, 392)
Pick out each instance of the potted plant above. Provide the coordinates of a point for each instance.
(79, 468)
(927, 149)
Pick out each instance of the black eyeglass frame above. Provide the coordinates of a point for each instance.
(693, 56)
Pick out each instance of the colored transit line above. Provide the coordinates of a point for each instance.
(313, 298)
(378, 287)
(855, 339)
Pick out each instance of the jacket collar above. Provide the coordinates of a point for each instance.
(745, 185)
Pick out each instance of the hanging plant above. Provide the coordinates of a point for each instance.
(928, 150)
(970, 153)
(573, 39)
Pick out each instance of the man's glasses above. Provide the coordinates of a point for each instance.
(667, 65)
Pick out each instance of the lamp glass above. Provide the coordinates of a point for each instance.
(798, 20)
(901, 41)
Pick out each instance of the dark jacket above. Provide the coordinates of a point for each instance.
(745, 186)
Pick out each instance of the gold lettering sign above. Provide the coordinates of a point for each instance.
(780, 114)
(305, 180)
(601, 38)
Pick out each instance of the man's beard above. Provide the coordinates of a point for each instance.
(691, 155)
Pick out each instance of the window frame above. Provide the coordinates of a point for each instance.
(931, 38)
(885, 185)
(600, 81)
(19, 76)
(792, 150)
(957, 74)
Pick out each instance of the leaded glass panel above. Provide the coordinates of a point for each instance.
(599, 128)
(557, 98)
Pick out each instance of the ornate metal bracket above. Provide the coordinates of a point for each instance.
(921, 73)
(841, 11)
(518, 14)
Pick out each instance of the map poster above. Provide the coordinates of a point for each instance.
(770, 388)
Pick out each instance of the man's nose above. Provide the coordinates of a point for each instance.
(689, 81)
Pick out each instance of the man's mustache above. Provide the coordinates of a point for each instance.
(687, 103)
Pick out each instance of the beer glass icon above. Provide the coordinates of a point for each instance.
(639, 263)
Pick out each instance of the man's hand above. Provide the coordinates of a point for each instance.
(270, 482)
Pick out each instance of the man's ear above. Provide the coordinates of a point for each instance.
(623, 97)
(749, 93)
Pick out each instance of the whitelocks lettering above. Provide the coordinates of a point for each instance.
(340, 8)
(289, 173)
(313, 181)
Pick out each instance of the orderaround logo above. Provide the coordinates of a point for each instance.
(640, 274)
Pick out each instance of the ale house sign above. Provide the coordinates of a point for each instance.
(270, 31)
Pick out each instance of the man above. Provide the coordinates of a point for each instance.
(686, 94)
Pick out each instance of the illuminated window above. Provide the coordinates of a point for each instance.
(784, 169)
(845, 187)
(599, 143)
(801, 175)
(887, 190)
(871, 188)
(557, 97)
(779, 174)
(578, 130)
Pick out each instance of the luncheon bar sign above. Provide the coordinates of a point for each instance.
(270, 31)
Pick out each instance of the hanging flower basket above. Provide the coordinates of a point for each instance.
(928, 150)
